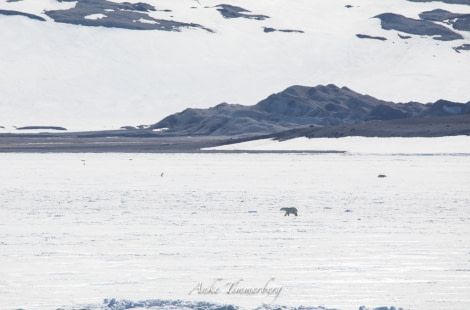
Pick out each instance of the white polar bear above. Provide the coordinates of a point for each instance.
(289, 211)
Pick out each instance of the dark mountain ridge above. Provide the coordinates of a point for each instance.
(300, 106)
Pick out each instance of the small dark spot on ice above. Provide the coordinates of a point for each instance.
(347, 210)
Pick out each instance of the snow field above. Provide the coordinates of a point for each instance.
(79, 228)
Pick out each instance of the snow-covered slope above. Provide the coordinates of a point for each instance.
(87, 77)
(394, 145)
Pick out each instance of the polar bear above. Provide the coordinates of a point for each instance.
(289, 211)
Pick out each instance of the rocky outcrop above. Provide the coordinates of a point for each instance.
(366, 36)
(446, 1)
(17, 13)
(457, 21)
(270, 29)
(231, 11)
(392, 21)
(445, 108)
(300, 106)
(455, 125)
(117, 15)
(41, 128)
(463, 47)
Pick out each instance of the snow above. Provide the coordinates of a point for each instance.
(159, 129)
(76, 229)
(365, 145)
(100, 78)
(36, 7)
(95, 16)
(142, 20)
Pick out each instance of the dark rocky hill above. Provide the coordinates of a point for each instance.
(453, 125)
(300, 106)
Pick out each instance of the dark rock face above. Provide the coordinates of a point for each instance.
(445, 108)
(329, 105)
(269, 29)
(438, 24)
(300, 106)
(454, 125)
(463, 47)
(365, 36)
(17, 13)
(458, 21)
(231, 11)
(223, 119)
(446, 1)
(392, 21)
(439, 15)
(116, 15)
(385, 112)
(41, 127)
(404, 37)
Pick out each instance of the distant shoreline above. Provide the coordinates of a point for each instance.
(129, 145)
(147, 141)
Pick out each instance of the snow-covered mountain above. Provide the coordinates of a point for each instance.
(104, 64)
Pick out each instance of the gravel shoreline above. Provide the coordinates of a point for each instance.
(145, 141)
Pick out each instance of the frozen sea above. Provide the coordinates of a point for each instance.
(84, 231)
